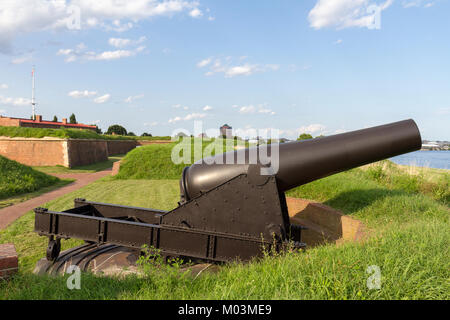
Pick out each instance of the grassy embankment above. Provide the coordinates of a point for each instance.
(64, 133)
(90, 168)
(409, 242)
(19, 182)
(154, 161)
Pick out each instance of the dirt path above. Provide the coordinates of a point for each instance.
(11, 213)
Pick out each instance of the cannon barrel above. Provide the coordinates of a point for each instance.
(305, 161)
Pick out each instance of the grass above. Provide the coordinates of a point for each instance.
(16, 179)
(65, 133)
(27, 196)
(90, 168)
(155, 162)
(410, 243)
(161, 194)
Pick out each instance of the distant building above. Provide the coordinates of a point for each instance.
(226, 131)
(203, 136)
(39, 123)
(430, 145)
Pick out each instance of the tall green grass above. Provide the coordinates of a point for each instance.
(16, 178)
(432, 182)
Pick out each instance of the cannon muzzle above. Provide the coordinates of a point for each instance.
(301, 162)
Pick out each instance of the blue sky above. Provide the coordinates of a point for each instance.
(321, 67)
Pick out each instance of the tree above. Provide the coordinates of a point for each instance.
(131, 133)
(55, 119)
(305, 136)
(72, 119)
(181, 134)
(98, 130)
(117, 129)
(145, 134)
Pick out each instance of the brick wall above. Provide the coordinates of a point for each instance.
(34, 151)
(83, 152)
(8, 260)
(64, 152)
(9, 122)
(120, 146)
(41, 125)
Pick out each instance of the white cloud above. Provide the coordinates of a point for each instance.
(102, 99)
(111, 55)
(22, 59)
(25, 16)
(240, 70)
(123, 42)
(312, 128)
(345, 13)
(229, 70)
(443, 111)
(417, 3)
(80, 53)
(194, 116)
(3, 86)
(207, 108)
(251, 109)
(119, 42)
(196, 13)
(204, 63)
(132, 98)
(17, 102)
(247, 109)
(188, 117)
(81, 94)
(180, 106)
(151, 124)
(338, 41)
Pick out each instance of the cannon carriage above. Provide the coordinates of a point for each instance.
(227, 211)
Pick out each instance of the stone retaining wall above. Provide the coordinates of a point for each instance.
(64, 152)
(34, 151)
(120, 146)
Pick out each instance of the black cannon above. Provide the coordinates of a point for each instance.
(232, 205)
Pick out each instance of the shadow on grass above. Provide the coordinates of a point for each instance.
(355, 200)
(33, 287)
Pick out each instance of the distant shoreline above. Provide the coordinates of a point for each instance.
(437, 159)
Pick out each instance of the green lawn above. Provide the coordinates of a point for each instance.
(155, 161)
(17, 179)
(27, 196)
(409, 242)
(95, 167)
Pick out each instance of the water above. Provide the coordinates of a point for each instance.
(431, 159)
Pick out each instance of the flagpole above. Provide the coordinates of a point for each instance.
(33, 99)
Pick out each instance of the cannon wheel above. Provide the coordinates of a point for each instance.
(53, 249)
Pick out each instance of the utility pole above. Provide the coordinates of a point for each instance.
(33, 98)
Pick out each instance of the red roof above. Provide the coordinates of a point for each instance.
(78, 125)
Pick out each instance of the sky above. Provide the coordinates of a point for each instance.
(319, 67)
